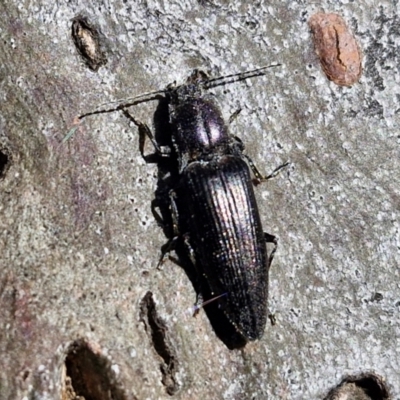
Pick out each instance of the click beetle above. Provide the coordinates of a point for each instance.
(213, 204)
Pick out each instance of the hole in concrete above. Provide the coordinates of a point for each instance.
(89, 374)
(365, 386)
(4, 162)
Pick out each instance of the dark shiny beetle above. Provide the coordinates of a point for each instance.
(215, 203)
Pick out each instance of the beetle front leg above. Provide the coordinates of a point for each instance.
(144, 131)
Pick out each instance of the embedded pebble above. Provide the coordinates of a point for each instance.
(86, 37)
(337, 48)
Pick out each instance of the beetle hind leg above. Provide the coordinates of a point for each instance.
(274, 240)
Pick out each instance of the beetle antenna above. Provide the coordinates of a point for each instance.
(224, 80)
(125, 103)
(208, 84)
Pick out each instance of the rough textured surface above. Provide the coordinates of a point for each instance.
(78, 241)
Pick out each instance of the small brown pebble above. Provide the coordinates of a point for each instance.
(336, 48)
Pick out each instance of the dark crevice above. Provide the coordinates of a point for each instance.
(4, 162)
(158, 332)
(89, 374)
(365, 386)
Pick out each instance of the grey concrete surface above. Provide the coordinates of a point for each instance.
(78, 242)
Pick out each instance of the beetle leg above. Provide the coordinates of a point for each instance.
(199, 276)
(174, 212)
(144, 131)
(234, 116)
(271, 239)
(170, 245)
(186, 242)
(259, 177)
(157, 215)
(198, 304)
(166, 249)
(272, 317)
(276, 171)
(189, 249)
(238, 146)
